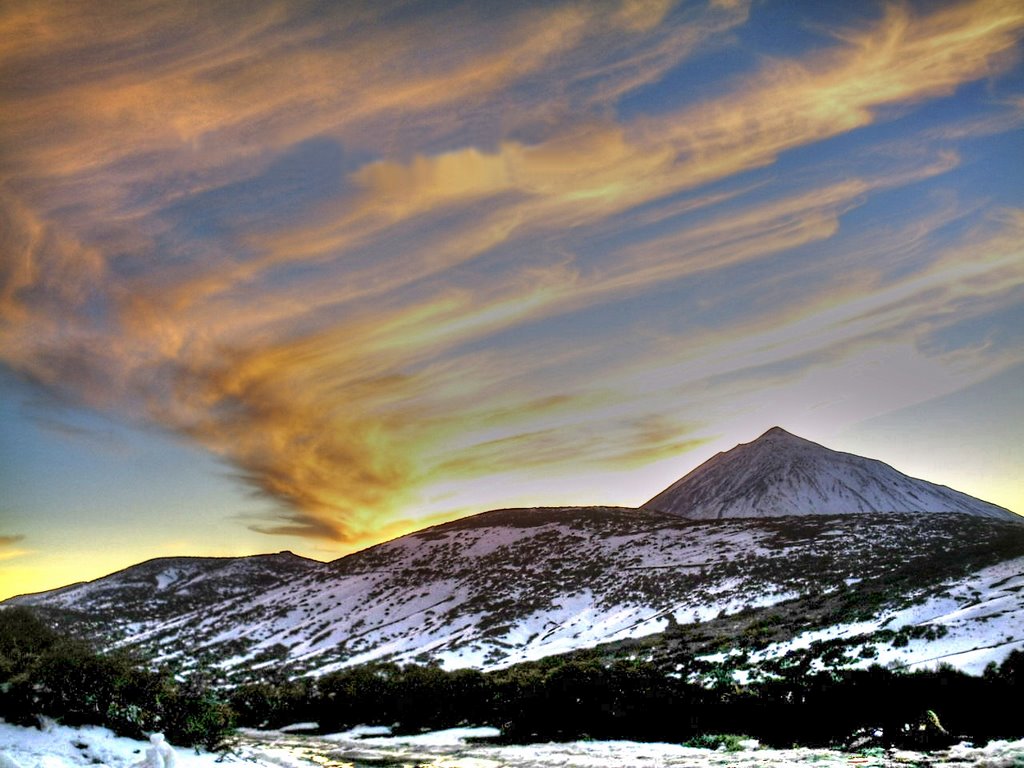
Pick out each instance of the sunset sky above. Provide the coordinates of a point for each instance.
(311, 275)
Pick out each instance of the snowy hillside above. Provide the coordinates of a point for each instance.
(973, 623)
(755, 551)
(515, 585)
(168, 586)
(782, 474)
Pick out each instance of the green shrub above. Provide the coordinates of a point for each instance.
(729, 742)
(42, 673)
(194, 715)
(23, 637)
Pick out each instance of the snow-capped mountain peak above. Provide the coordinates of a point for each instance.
(782, 474)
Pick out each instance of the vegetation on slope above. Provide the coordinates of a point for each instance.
(42, 673)
(486, 587)
(558, 700)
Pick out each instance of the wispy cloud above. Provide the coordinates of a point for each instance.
(9, 548)
(860, 327)
(105, 439)
(361, 260)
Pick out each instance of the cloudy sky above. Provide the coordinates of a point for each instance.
(309, 275)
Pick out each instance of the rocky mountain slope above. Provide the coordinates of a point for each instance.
(781, 474)
(751, 594)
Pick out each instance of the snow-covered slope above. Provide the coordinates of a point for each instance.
(782, 474)
(516, 585)
(168, 586)
(755, 548)
(974, 622)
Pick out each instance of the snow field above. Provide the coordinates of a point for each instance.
(983, 616)
(63, 747)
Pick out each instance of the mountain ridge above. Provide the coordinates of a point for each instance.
(512, 585)
(550, 581)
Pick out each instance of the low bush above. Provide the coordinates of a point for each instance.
(726, 742)
(45, 674)
(557, 698)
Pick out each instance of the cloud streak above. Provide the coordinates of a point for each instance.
(486, 279)
(9, 547)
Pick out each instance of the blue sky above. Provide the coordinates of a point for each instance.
(310, 276)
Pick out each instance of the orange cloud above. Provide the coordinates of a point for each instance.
(597, 171)
(9, 549)
(328, 354)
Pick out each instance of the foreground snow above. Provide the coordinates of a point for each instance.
(56, 746)
(63, 747)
